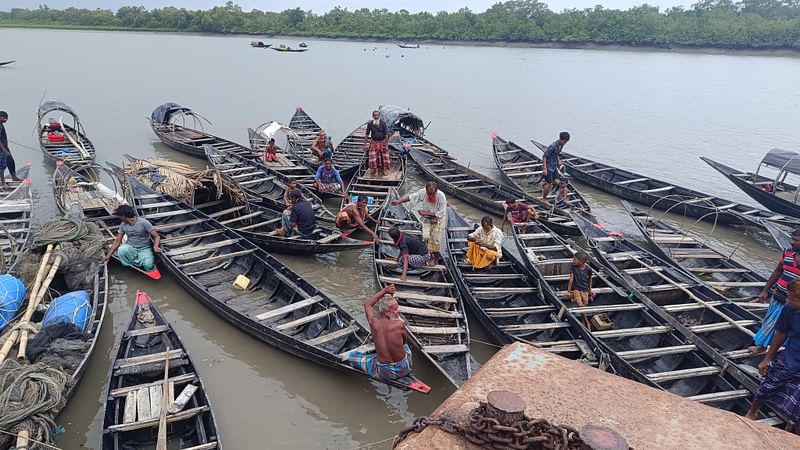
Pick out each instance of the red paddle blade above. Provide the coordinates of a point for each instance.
(419, 386)
(154, 274)
(142, 298)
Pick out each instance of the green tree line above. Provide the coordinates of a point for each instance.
(710, 23)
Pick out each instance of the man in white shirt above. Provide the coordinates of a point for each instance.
(430, 205)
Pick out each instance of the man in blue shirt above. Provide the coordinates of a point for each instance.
(551, 162)
(781, 371)
(328, 179)
(301, 220)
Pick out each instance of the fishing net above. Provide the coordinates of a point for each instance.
(184, 182)
(29, 395)
(61, 346)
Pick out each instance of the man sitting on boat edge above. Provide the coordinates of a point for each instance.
(354, 217)
(485, 245)
(413, 251)
(137, 251)
(781, 371)
(302, 220)
(392, 357)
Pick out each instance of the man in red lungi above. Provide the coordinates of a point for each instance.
(377, 140)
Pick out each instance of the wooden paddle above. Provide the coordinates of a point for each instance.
(162, 418)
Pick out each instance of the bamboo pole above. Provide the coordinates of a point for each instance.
(80, 147)
(23, 341)
(691, 295)
(12, 338)
(162, 418)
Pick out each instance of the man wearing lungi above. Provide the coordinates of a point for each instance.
(392, 357)
(376, 143)
(781, 371)
(138, 250)
(430, 205)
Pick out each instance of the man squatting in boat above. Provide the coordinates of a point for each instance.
(137, 251)
(781, 371)
(392, 357)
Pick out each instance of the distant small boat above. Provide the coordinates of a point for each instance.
(286, 48)
(5, 63)
(303, 45)
(408, 45)
(259, 44)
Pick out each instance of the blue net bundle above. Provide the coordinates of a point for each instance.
(12, 294)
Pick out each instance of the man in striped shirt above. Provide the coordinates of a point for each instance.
(788, 270)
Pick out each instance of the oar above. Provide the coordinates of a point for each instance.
(162, 418)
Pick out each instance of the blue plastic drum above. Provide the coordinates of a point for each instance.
(12, 294)
(73, 308)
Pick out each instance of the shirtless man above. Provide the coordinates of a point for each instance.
(392, 357)
(353, 217)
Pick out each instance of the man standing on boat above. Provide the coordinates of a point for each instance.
(551, 163)
(786, 272)
(781, 371)
(430, 205)
(392, 357)
(377, 145)
(137, 251)
(6, 160)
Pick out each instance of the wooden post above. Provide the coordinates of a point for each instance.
(601, 438)
(507, 407)
(34, 302)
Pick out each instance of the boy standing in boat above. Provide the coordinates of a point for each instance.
(781, 371)
(551, 161)
(376, 142)
(787, 271)
(6, 160)
(137, 251)
(579, 286)
(430, 205)
(392, 357)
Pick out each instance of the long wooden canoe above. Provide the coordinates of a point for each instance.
(429, 302)
(278, 306)
(523, 170)
(644, 343)
(780, 197)
(63, 139)
(16, 212)
(509, 302)
(261, 183)
(137, 387)
(485, 193)
(169, 123)
(306, 131)
(699, 260)
(351, 152)
(666, 196)
(727, 327)
(375, 187)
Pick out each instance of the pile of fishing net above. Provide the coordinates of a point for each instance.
(184, 182)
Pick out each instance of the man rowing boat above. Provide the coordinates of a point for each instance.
(392, 357)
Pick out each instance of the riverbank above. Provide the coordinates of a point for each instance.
(665, 48)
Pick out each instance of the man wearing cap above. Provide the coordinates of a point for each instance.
(551, 162)
(786, 272)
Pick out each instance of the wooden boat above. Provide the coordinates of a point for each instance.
(408, 131)
(483, 192)
(277, 306)
(641, 340)
(286, 48)
(781, 234)
(169, 123)
(665, 196)
(286, 162)
(723, 325)
(408, 45)
(509, 302)
(63, 141)
(376, 187)
(16, 209)
(351, 152)
(5, 63)
(257, 222)
(302, 45)
(722, 272)
(259, 182)
(139, 381)
(523, 170)
(429, 302)
(775, 193)
(259, 44)
(305, 131)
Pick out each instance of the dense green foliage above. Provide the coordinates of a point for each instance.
(710, 23)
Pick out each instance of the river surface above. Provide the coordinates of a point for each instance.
(653, 113)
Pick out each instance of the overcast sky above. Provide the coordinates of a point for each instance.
(325, 5)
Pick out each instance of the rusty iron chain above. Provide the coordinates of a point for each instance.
(487, 432)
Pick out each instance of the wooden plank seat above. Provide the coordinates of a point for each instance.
(735, 284)
(442, 349)
(147, 359)
(146, 331)
(602, 169)
(519, 311)
(176, 212)
(721, 396)
(256, 181)
(395, 264)
(248, 216)
(417, 283)
(627, 332)
(434, 330)
(221, 257)
(683, 374)
(657, 351)
(191, 236)
(271, 314)
(332, 336)
(171, 418)
(157, 205)
(605, 308)
(189, 249)
(426, 312)
(711, 327)
(661, 189)
(419, 297)
(227, 211)
(535, 326)
(632, 180)
(504, 290)
(305, 320)
(602, 290)
(183, 378)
